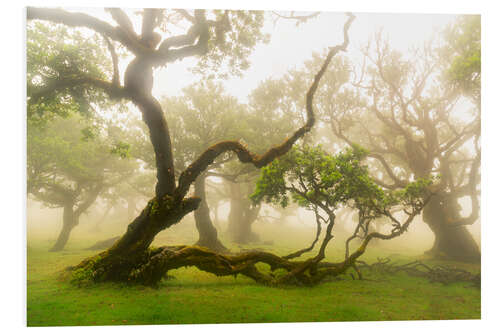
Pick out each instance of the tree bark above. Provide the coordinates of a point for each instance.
(451, 242)
(70, 220)
(139, 83)
(206, 231)
(241, 216)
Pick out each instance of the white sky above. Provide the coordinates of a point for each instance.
(290, 46)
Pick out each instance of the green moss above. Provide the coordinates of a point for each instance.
(85, 275)
(158, 208)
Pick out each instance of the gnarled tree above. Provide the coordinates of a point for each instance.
(409, 112)
(66, 170)
(416, 130)
(130, 257)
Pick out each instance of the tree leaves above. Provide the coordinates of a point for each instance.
(311, 177)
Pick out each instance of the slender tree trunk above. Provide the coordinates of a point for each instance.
(235, 210)
(70, 220)
(451, 242)
(241, 216)
(206, 231)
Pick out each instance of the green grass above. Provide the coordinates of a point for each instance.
(197, 297)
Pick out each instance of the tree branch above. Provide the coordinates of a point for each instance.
(87, 21)
(116, 73)
(111, 89)
(244, 155)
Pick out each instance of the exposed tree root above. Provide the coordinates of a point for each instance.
(438, 273)
(154, 265)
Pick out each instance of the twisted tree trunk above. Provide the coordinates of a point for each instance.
(70, 220)
(206, 231)
(71, 214)
(451, 241)
(241, 216)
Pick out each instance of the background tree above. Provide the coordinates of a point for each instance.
(409, 113)
(68, 159)
(415, 130)
(68, 170)
(461, 54)
(201, 117)
(271, 117)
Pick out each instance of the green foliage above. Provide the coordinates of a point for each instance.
(68, 157)
(313, 178)
(204, 115)
(54, 53)
(462, 51)
(121, 149)
(232, 42)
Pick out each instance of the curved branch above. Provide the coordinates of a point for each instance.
(123, 21)
(244, 155)
(111, 89)
(299, 18)
(471, 189)
(307, 249)
(116, 73)
(199, 30)
(397, 181)
(87, 21)
(91, 198)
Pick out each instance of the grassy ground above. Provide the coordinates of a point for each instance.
(197, 297)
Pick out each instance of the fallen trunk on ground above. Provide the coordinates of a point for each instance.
(154, 264)
(437, 273)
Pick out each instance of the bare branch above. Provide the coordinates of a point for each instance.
(298, 253)
(123, 21)
(199, 31)
(244, 155)
(116, 73)
(299, 18)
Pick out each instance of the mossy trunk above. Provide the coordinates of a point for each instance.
(451, 242)
(132, 249)
(242, 215)
(207, 233)
(70, 220)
